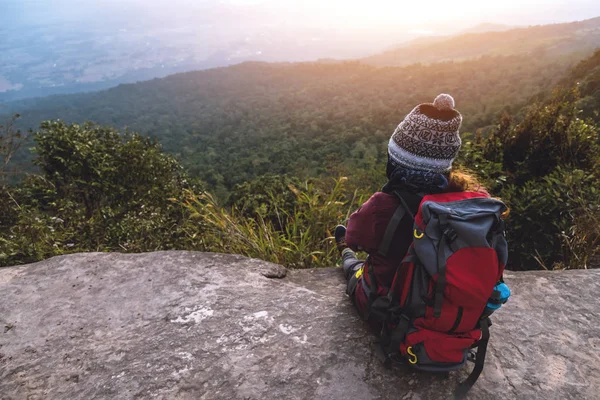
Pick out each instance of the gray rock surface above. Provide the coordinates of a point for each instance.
(184, 325)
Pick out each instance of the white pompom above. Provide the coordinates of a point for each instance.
(444, 102)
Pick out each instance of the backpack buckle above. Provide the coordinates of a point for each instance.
(471, 356)
(397, 336)
(413, 357)
(450, 234)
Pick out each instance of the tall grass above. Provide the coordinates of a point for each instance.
(582, 240)
(303, 239)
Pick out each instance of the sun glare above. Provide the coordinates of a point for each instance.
(360, 12)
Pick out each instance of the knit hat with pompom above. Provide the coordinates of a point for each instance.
(428, 138)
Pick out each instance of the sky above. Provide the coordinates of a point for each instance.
(342, 13)
(360, 12)
(45, 41)
(360, 25)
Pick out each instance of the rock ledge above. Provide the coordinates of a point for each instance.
(185, 325)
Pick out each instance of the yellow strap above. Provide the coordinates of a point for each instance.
(414, 360)
(419, 236)
(359, 272)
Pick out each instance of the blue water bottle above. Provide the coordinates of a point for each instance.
(500, 295)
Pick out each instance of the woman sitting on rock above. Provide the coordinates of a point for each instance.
(420, 156)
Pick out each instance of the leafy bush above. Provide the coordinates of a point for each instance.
(543, 213)
(99, 190)
(547, 168)
(11, 140)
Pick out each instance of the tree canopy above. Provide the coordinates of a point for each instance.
(266, 141)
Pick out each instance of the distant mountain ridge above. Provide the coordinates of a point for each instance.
(427, 39)
(489, 27)
(233, 118)
(556, 39)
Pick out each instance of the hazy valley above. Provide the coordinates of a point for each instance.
(65, 48)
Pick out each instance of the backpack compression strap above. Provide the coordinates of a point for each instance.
(449, 234)
(391, 341)
(463, 389)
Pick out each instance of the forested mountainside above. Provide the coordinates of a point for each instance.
(100, 189)
(230, 125)
(576, 37)
(586, 76)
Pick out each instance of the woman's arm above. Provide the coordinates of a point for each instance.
(367, 225)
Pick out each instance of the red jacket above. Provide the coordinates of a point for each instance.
(365, 232)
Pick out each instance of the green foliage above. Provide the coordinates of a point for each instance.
(551, 135)
(582, 240)
(231, 125)
(268, 137)
(266, 198)
(545, 167)
(586, 76)
(99, 190)
(98, 167)
(33, 237)
(301, 243)
(544, 211)
(10, 141)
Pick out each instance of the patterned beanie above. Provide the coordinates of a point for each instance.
(427, 139)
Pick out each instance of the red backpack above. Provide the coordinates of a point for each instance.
(435, 312)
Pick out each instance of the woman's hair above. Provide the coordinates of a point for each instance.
(463, 181)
